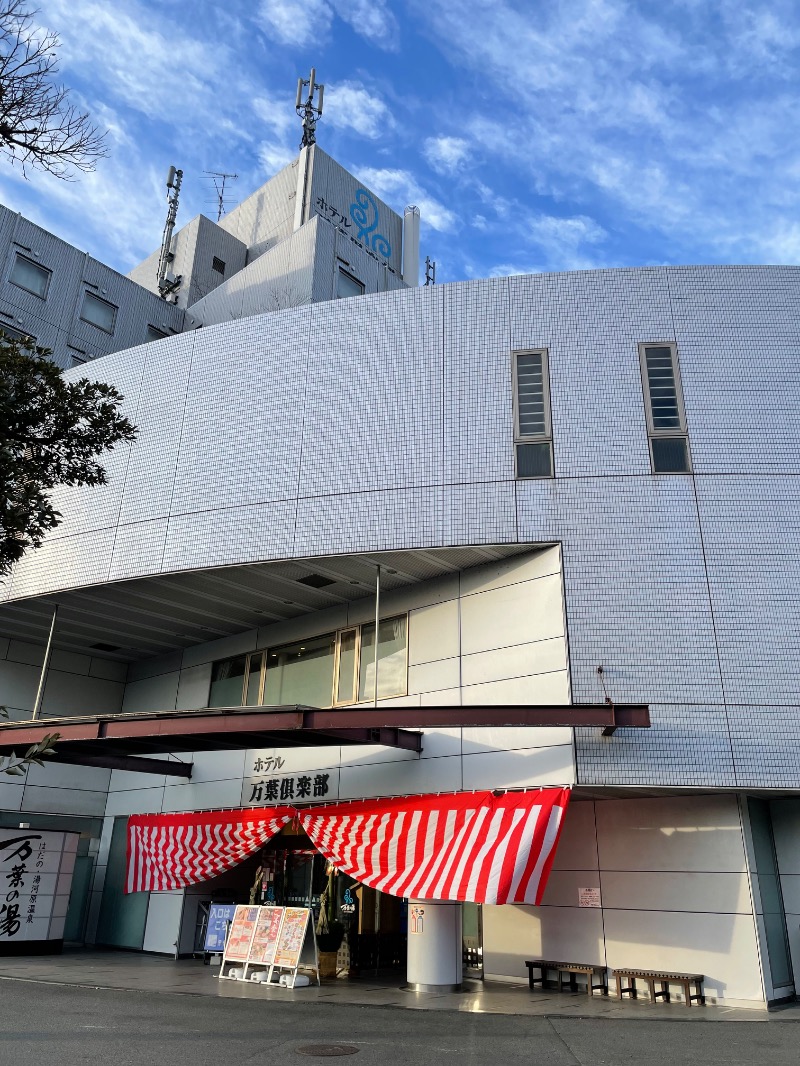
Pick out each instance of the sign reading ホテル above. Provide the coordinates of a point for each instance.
(35, 881)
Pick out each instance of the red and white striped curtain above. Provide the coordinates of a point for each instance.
(168, 851)
(468, 846)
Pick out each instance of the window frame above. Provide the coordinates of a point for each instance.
(654, 433)
(15, 334)
(216, 259)
(45, 270)
(108, 303)
(334, 701)
(351, 277)
(532, 438)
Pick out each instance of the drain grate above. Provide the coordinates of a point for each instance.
(327, 1051)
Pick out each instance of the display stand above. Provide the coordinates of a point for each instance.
(289, 948)
(237, 945)
(264, 944)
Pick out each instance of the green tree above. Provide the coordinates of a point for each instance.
(51, 433)
(40, 127)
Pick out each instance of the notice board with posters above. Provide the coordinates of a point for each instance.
(265, 937)
(237, 948)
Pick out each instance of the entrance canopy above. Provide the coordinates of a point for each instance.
(473, 846)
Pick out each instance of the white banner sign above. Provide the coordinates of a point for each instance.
(588, 897)
(35, 881)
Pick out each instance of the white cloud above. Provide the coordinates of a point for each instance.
(400, 187)
(295, 22)
(274, 157)
(305, 22)
(372, 19)
(446, 154)
(152, 69)
(348, 105)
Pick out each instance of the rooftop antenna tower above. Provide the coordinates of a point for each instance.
(306, 109)
(219, 178)
(167, 282)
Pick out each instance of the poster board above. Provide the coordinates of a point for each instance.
(220, 917)
(237, 949)
(293, 935)
(265, 937)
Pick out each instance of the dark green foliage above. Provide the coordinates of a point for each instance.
(51, 433)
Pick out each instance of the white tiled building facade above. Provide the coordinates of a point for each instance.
(328, 435)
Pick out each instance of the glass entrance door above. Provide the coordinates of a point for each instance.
(472, 940)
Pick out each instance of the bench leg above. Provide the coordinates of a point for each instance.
(619, 987)
(530, 978)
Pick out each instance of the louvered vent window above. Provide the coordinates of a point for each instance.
(534, 447)
(666, 420)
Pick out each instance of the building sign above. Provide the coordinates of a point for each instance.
(35, 881)
(588, 897)
(361, 224)
(416, 920)
(271, 781)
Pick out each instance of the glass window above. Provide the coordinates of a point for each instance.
(227, 682)
(347, 285)
(99, 312)
(534, 449)
(32, 277)
(346, 680)
(15, 334)
(392, 669)
(154, 334)
(666, 420)
(254, 670)
(301, 673)
(218, 265)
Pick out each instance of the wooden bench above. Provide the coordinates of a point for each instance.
(573, 969)
(664, 978)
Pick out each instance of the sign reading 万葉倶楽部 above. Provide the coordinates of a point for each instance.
(361, 225)
(289, 788)
(35, 881)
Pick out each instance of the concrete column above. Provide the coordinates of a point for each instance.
(434, 946)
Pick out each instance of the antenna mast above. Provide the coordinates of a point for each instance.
(219, 179)
(167, 282)
(306, 110)
(430, 271)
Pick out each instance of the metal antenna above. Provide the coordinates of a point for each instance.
(219, 178)
(306, 110)
(167, 282)
(430, 271)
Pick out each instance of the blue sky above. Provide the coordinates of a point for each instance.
(534, 136)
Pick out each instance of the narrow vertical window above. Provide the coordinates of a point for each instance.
(666, 419)
(532, 433)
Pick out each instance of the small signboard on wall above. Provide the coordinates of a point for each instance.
(588, 897)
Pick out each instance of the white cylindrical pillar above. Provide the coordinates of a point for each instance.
(411, 246)
(434, 946)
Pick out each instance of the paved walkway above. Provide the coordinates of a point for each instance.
(146, 973)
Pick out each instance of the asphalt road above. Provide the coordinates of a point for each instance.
(72, 1026)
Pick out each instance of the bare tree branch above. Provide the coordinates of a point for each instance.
(39, 125)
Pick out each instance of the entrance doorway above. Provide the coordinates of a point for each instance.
(367, 929)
